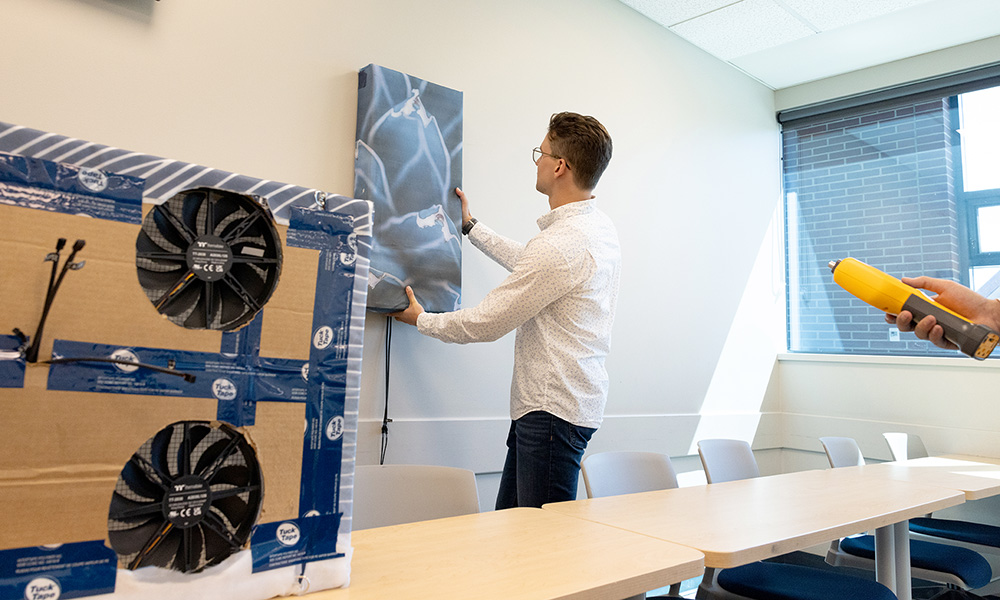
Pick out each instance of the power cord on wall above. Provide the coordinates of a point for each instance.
(385, 416)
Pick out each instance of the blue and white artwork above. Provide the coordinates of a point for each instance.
(408, 163)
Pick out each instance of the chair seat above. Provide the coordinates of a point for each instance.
(967, 565)
(960, 531)
(776, 581)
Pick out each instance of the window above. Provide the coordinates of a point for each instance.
(979, 133)
(909, 185)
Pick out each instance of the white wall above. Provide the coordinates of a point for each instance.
(949, 60)
(269, 89)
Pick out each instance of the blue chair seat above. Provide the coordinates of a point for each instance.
(776, 581)
(967, 565)
(960, 531)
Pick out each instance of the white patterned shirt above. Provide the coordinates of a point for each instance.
(560, 296)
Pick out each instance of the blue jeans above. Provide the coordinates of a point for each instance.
(543, 461)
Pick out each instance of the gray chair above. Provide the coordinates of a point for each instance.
(980, 537)
(904, 446)
(623, 472)
(731, 460)
(394, 494)
(615, 473)
(952, 566)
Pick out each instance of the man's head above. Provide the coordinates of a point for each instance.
(583, 143)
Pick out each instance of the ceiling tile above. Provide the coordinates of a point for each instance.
(672, 12)
(669, 13)
(887, 38)
(743, 28)
(830, 15)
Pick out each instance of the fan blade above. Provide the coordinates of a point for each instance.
(163, 553)
(172, 302)
(194, 433)
(158, 233)
(161, 255)
(140, 482)
(214, 523)
(132, 540)
(159, 453)
(214, 456)
(168, 222)
(156, 283)
(217, 547)
(191, 550)
(236, 287)
(206, 222)
(234, 509)
(235, 211)
(254, 260)
(241, 228)
(235, 475)
(132, 513)
(208, 301)
(189, 205)
(253, 277)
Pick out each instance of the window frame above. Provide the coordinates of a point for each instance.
(966, 204)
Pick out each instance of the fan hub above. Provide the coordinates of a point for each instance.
(209, 257)
(188, 501)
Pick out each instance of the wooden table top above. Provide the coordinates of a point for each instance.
(517, 553)
(976, 479)
(739, 522)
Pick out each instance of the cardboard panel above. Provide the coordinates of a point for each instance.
(61, 452)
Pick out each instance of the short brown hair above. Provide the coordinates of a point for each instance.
(584, 143)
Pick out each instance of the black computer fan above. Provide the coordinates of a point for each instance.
(187, 499)
(208, 258)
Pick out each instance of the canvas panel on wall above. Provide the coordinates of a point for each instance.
(408, 162)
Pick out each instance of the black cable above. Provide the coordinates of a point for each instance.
(385, 416)
(32, 353)
(189, 377)
(54, 257)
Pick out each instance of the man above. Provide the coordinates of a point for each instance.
(955, 296)
(560, 296)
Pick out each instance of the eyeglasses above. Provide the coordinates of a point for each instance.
(537, 154)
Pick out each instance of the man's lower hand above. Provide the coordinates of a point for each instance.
(411, 312)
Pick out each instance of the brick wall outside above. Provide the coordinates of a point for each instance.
(879, 187)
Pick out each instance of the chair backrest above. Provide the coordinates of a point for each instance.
(842, 451)
(904, 446)
(393, 494)
(727, 460)
(613, 473)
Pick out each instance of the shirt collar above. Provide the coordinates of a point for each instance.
(565, 211)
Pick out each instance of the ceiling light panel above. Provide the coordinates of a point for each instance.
(743, 28)
(830, 15)
(672, 12)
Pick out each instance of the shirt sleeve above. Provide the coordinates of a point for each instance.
(540, 276)
(502, 250)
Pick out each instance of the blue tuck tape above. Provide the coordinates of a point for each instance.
(12, 362)
(334, 236)
(333, 371)
(59, 187)
(294, 541)
(237, 381)
(63, 571)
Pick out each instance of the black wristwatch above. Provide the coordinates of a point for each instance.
(469, 225)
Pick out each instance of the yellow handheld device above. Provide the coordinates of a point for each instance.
(891, 295)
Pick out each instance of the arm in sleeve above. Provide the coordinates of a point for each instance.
(540, 277)
(502, 250)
